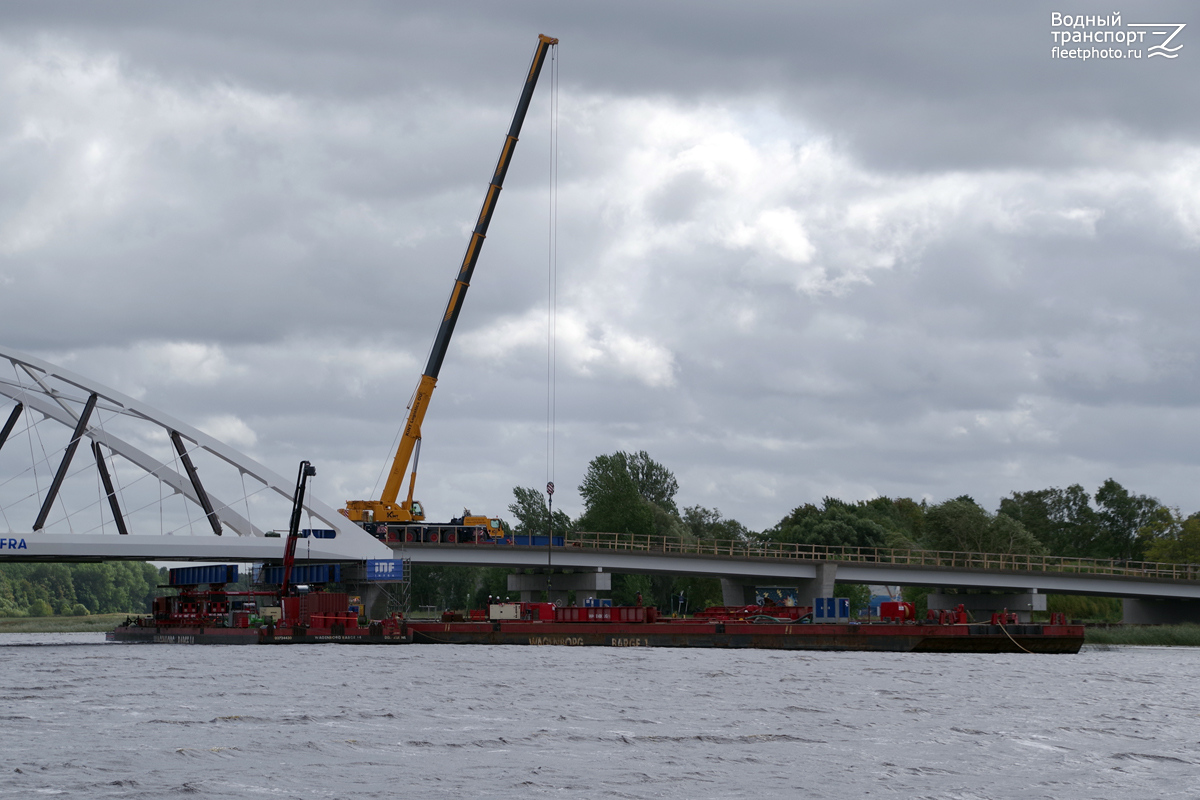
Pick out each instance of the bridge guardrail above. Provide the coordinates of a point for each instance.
(884, 555)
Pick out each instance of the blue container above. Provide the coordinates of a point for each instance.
(318, 533)
(304, 573)
(536, 541)
(211, 573)
(831, 609)
(597, 602)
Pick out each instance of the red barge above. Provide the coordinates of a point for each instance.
(290, 615)
(760, 627)
(283, 615)
(212, 617)
(215, 616)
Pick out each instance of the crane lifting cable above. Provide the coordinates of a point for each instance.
(552, 307)
(552, 276)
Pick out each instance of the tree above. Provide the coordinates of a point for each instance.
(835, 524)
(859, 595)
(493, 585)
(902, 516)
(445, 587)
(1173, 540)
(707, 523)
(693, 593)
(1061, 519)
(962, 525)
(626, 588)
(628, 494)
(1121, 515)
(654, 482)
(532, 513)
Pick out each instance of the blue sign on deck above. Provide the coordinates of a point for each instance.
(385, 569)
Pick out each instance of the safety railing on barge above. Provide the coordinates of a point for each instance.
(884, 555)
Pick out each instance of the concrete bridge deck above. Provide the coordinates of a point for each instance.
(747, 563)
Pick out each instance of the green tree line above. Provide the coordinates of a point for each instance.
(43, 590)
(631, 493)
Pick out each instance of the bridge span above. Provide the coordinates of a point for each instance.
(350, 544)
(814, 569)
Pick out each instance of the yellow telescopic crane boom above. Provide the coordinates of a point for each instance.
(386, 509)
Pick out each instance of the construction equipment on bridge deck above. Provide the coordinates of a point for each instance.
(385, 515)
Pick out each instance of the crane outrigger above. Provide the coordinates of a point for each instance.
(386, 516)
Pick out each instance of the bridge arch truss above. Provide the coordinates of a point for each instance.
(78, 458)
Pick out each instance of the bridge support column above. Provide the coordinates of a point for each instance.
(820, 586)
(1144, 611)
(735, 593)
(585, 585)
(1023, 604)
(374, 601)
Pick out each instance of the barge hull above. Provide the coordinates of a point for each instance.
(738, 635)
(133, 634)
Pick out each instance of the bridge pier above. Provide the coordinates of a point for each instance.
(1023, 604)
(1145, 611)
(377, 602)
(374, 601)
(735, 592)
(819, 586)
(585, 585)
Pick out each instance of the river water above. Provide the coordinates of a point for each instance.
(81, 718)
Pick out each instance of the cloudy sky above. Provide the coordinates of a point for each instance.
(803, 249)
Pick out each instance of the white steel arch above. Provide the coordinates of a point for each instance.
(91, 412)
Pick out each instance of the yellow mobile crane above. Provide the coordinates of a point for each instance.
(385, 517)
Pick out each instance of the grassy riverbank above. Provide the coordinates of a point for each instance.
(1187, 635)
(94, 623)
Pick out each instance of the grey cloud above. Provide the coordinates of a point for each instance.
(980, 281)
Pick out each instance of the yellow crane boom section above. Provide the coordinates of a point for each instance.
(386, 509)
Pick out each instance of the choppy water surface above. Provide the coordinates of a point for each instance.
(80, 718)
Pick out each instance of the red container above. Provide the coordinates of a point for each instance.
(291, 609)
(897, 611)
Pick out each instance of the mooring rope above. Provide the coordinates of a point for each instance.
(1014, 641)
